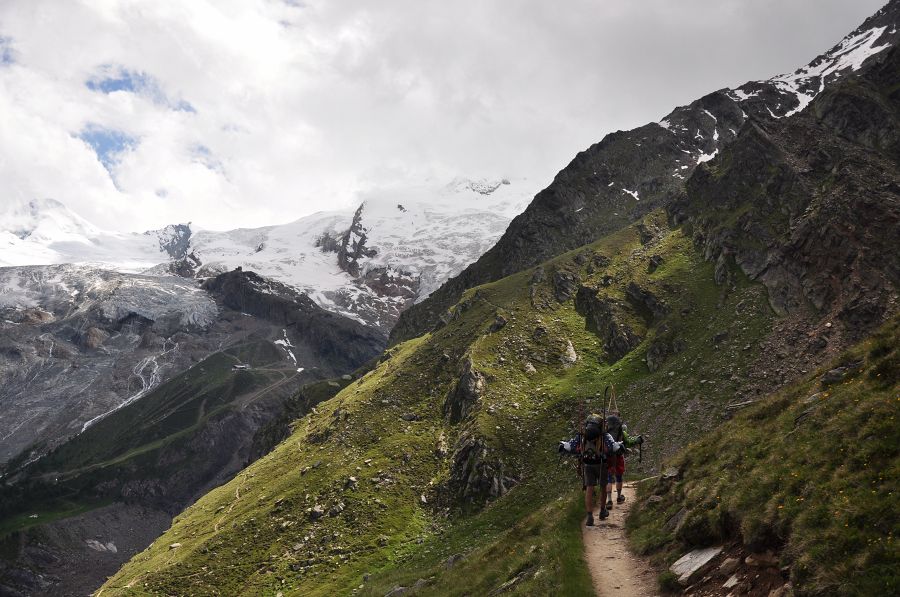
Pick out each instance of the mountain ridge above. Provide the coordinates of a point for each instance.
(592, 195)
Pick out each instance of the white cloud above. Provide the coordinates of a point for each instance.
(254, 112)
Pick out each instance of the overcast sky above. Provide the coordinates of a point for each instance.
(228, 113)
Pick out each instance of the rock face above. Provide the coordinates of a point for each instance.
(650, 307)
(810, 205)
(602, 316)
(344, 342)
(475, 476)
(76, 342)
(565, 285)
(630, 173)
(353, 247)
(466, 394)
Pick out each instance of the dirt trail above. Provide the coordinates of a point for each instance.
(616, 571)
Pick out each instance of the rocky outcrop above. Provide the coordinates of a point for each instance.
(345, 342)
(646, 303)
(467, 392)
(353, 246)
(565, 285)
(602, 317)
(476, 476)
(810, 205)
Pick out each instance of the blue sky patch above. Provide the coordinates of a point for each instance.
(140, 83)
(125, 80)
(6, 51)
(108, 144)
(203, 155)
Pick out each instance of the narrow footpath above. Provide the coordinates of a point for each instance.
(616, 571)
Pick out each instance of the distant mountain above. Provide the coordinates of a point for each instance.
(369, 262)
(77, 343)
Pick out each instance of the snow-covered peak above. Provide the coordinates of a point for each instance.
(481, 186)
(368, 261)
(795, 91)
(45, 221)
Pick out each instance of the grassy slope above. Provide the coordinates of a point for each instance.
(254, 533)
(813, 471)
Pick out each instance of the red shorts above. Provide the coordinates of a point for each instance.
(617, 465)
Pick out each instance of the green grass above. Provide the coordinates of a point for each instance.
(46, 513)
(253, 535)
(811, 472)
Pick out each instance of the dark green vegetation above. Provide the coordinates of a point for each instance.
(448, 423)
(812, 472)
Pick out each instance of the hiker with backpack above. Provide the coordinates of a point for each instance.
(596, 448)
(618, 432)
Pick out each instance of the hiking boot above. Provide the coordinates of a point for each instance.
(604, 514)
(621, 498)
(590, 519)
(609, 504)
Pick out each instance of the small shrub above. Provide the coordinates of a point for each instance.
(668, 582)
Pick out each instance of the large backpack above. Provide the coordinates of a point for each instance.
(614, 427)
(591, 450)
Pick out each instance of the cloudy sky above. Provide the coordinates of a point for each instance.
(227, 113)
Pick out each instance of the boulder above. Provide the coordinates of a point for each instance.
(654, 263)
(691, 566)
(498, 324)
(569, 356)
(565, 284)
(728, 567)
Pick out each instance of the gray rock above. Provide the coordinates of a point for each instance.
(691, 566)
(316, 512)
(728, 567)
(453, 560)
(398, 590)
(467, 392)
(498, 324)
(564, 285)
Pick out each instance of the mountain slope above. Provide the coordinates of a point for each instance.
(811, 473)
(628, 174)
(119, 481)
(461, 442)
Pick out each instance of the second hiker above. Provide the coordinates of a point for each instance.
(616, 464)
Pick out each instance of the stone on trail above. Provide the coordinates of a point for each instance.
(694, 564)
(729, 566)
